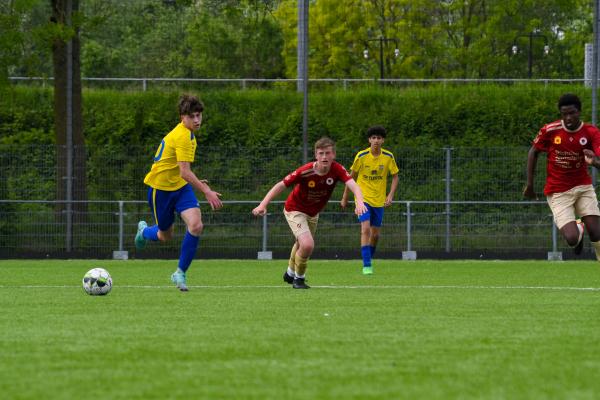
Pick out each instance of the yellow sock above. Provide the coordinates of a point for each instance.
(597, 249)
(301, 265)
(292, 262)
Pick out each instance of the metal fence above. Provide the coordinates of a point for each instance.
(452, 202)
(424, 229)
(145, 84)
(29, 172)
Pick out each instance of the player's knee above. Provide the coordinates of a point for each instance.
(571, 239)
(196, 228)
(306, 247)
(594, 235)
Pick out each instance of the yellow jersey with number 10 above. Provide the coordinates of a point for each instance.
(372, 174)
(177, 145)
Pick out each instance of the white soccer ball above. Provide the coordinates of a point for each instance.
(97, 282)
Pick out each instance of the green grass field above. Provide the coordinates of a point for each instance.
(413, 330)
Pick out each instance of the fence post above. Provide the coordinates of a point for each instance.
(121, 254)
(448, 195)
(409, 254)
(264, 254)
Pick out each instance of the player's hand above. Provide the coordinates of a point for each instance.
(259, 211)
(360, 209)
(344, 203)
(529, 193)
(589, 156)
(388, 201)
(213, 199)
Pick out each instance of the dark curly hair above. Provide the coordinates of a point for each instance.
(376, 130)
(569, 99)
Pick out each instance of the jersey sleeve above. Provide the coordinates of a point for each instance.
(393, 167)
(292, 177)
(184, 150)
(596, 141)
(341, 172)
(542, 140)
(356, 164)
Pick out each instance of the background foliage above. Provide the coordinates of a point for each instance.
(257, 39)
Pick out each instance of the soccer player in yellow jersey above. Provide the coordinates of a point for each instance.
(171, 183)
(370, 169)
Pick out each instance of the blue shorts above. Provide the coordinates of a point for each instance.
(164, 204)
(373, 215)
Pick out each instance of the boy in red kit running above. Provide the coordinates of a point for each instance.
(571, 145)
(314, 183)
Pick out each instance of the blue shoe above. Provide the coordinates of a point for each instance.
(178, 278)
(367, 270)
(140, 241)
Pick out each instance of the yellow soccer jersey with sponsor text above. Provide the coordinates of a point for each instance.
(177, 145)
(372, 174)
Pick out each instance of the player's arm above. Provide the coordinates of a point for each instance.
(275, 191)
(344, 201)
(390, 197)
(532, 158)
(359, 206)
(188, 175)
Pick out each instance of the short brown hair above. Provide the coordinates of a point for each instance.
(324, 142)
(189, 104)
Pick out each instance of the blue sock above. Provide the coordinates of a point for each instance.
(372, 250)
(366, 255)
(151, 233)
(188, 250)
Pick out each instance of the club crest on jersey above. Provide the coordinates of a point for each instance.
(557, 140)
(583, 141)
(311, 184)
(329, 181)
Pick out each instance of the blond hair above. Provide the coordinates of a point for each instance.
(324, 142)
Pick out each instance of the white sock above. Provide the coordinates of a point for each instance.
(300, 276)
(290, 271)
(581, 229)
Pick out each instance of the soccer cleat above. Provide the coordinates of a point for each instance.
(299, 283)
(367, 270)
(178, 278)
(140, 241)
(579, 246)
(287, 278)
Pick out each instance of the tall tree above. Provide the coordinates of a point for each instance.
(71, 152)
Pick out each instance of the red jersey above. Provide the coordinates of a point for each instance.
(566, 166)
(312, 191)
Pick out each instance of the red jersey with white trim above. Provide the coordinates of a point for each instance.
(312, 191)
(566, 166)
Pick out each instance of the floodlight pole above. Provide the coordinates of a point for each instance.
(303, 71)
(595, 55)
(531, 36)
(382, 40)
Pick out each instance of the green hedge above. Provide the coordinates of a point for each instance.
(251, 138)
(434, 116)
